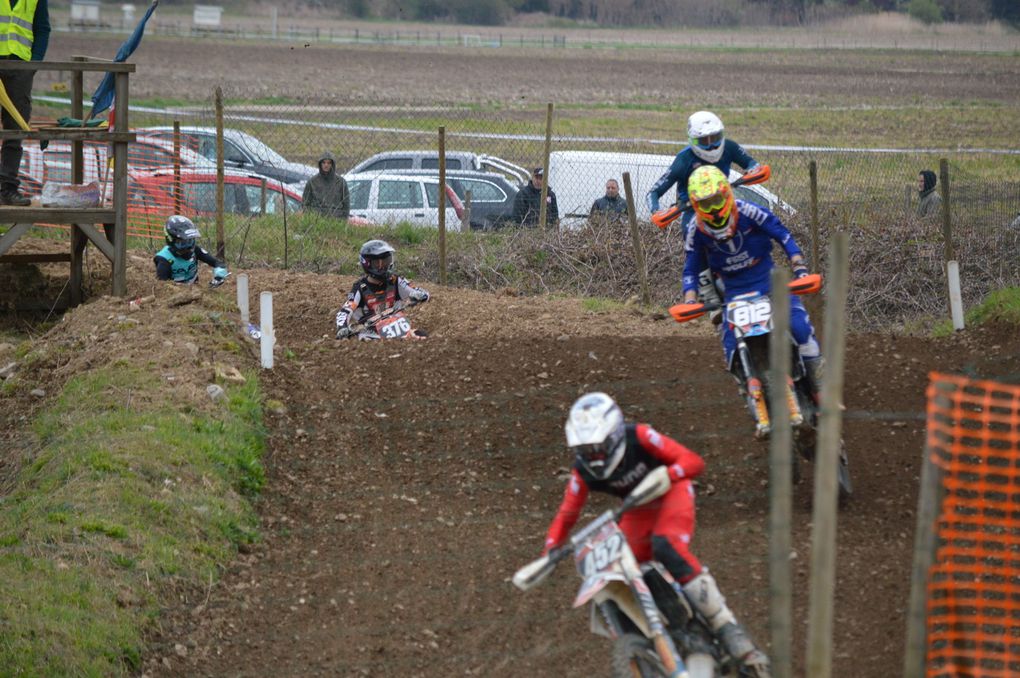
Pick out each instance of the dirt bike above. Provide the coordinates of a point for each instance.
(749, 316)
(654, 628)
(388, 324)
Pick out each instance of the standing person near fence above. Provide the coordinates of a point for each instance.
(24, 35)
(929, 202)
(708, 146)
(611, 206)
(528, 203)
(327, 192)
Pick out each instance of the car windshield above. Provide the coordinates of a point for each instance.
(258, 149)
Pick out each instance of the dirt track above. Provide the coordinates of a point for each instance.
(407, 482)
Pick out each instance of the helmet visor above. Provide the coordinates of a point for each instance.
(709, 142)
(713, 203)
(380, 266)
(594, 456)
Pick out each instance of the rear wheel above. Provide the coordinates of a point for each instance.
(635, 657)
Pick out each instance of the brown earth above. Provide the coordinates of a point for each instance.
(407, 482)
(341, 75)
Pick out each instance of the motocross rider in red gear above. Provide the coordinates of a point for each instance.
(613, 456)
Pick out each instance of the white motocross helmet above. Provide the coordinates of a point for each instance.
(596, 433)
(705, 133)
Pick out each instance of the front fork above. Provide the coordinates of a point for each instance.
(757, 399)
(664, 645)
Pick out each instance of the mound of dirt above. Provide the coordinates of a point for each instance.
(407, 481)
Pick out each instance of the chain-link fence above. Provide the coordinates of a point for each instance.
(270, 150)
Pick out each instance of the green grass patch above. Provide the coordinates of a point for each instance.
(600, 305)
(999, 306)
(133, 489)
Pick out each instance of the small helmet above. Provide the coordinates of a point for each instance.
(596, 433)
(181, 235)
(377, 259)
(705, 133)
(715, 208)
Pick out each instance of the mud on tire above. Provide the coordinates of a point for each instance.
(634, 655)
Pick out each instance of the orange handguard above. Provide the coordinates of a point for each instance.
(684, 312)
(809, 284)
(664, 218)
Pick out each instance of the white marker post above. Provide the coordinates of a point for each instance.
(955, 294)
(242, 299)
(268, 335)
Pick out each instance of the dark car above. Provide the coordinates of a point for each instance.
(492, 195)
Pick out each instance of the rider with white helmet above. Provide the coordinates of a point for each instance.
(612, 456)
(708, 145)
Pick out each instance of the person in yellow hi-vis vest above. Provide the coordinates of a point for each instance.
(25, 35)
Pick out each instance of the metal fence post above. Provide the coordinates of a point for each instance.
(442, 205)
(780, 483)
(635, 235)
(220, 240)
(815, 263)
(466, 221)
(542, 208)
(823, 531)
(177, 167)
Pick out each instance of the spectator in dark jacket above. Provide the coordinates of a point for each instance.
(930, 202)
(611, 206)
(527, 204)
(326, 192)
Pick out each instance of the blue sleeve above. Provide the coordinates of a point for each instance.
(771, 225)
(676, 174)
(40, 31)
(164, 269)
(207, 258)
(693, 260)
(739, 156)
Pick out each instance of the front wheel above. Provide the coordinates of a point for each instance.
(633, 656)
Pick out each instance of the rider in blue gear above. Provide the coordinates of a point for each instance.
(733, 239)
(178, 261)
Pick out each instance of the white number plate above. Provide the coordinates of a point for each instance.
(395, 327)
(745, 314)
(601, 552)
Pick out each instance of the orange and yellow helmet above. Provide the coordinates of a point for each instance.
(715, 208)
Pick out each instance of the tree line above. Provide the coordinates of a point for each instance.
(693, 13)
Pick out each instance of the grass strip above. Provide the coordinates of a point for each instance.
(133, 492)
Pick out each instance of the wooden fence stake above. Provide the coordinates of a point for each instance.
(826, 494)
(635, 235)
(542, 210)
(177, 167)
(924, 556)
(780, 484)
(442, 205)
(816, 264)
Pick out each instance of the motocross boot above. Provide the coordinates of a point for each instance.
(704, 594)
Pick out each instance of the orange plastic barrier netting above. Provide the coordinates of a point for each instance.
(974, 585)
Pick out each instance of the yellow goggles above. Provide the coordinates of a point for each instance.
(712, 203)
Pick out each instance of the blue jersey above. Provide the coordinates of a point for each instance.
(684, 165)
(744, 262)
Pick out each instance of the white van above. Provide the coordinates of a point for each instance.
(394, 198)
(579, 179)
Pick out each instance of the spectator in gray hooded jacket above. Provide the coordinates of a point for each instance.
(929, 201)
(326, 192)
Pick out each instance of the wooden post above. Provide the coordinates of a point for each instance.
(178, 201)
(949, 253)
(826, 495)
(286, 237)
(442, 205)
(220, 244)
(120, 176)
(635, 236)
(780, 483)
(815, 237)
(924, 556)
(465, 225)
(542, 209)
(78, 239)
(262, 197)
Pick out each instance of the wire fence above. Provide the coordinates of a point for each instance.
(389, 156)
